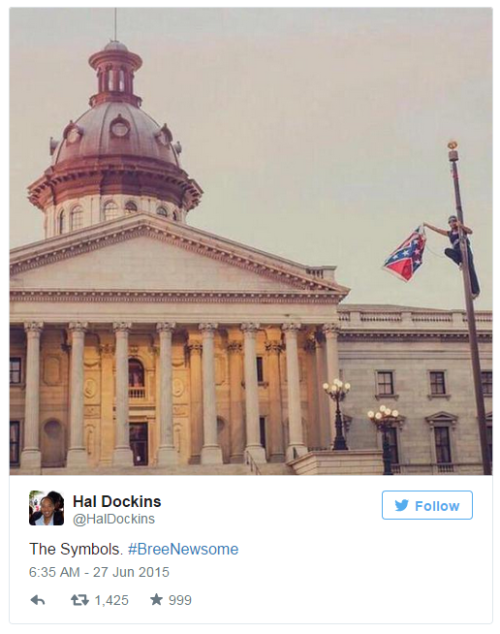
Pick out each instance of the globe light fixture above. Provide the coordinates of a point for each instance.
(384, 419)
(337, 391)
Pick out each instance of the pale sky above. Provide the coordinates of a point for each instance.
(317, 134)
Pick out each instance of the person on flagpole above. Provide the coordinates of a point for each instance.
(454, 253)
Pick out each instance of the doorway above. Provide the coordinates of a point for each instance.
(139, 443)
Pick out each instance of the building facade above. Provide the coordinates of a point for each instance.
(140, 344)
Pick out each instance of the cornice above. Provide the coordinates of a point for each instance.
(135, 296)
(100, 236)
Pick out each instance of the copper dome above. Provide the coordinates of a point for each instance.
(115, 129)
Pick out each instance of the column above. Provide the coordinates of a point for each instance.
(77, 454)
(324, 402)
(253, 446)
(122, 454)
(211, 453)
(31, 457)
(296, 445)
(332, 366)
(167, 454)
(234, 350)
(314, 418)
(274, 347)
(196, 398)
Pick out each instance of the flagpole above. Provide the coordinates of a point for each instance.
(471, 318)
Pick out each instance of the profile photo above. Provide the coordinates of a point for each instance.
(46, 509)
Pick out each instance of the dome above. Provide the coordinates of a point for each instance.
(112, 129)
(115, 148)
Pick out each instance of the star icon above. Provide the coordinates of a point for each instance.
(156, 599)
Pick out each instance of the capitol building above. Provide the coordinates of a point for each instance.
(140, 344)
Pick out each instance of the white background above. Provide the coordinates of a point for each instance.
(312, 550)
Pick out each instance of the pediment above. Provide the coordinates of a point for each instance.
(149, 255)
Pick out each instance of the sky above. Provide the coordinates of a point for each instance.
(319, 135)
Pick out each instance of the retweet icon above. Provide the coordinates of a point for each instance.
(400, 506)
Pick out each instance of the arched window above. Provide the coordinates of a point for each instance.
(136, 384)
(62, 222)
(130, 207)
(110, 210)
(76, 218)
(161, 211)
(121, 87)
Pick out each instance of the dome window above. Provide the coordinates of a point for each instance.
(72, 133)
(111, 210)
(120, 127)
(62, 222)
(130, 207)
(164, 136)
(161, 211)
(76, 218)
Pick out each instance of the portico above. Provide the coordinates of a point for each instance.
(184, 366)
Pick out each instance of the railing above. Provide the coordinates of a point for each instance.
(137, 392)
(452, 319)
(252, 464)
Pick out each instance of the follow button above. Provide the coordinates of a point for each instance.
(427, 505)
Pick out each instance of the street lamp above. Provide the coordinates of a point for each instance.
(384, 419)
(337, 391)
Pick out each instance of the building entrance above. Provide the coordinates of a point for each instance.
(139, 443)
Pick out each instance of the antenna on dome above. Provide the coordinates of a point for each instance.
(116, 23)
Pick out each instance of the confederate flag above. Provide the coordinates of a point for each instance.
(407, 258)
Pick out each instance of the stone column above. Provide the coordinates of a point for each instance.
(31, 457)
(234, 349)
(77, 454)
(296, 445)
(211, 453)
(324, 402)
(122, 454)
(167, 454)
(196, 402)
(314, 418)
(253, 446)
(274, 348)
(332, 366)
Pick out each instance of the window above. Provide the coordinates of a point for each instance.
(76, 218)
(487, 382)
(110, 210)
(161, 211)
(15, 442)
(130, 207)
(62, 222)
(443, 449)
(392, 437)
(260, 369)
(385, 383)
(15, 370)
(438, 386)
(135, 373)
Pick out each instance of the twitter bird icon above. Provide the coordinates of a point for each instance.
(400, 506)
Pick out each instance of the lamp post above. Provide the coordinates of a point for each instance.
(384, 419)
(471, 318)
(337, 391)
